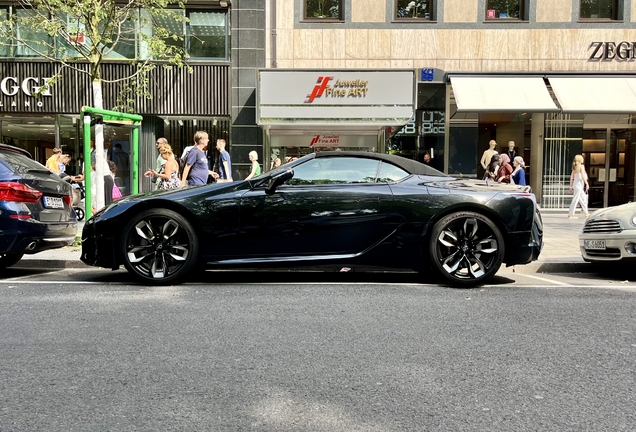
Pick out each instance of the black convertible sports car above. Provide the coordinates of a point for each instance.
(332, 209)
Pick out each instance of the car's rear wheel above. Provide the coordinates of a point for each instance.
(466, 248)
(160, 247)
(9, 259)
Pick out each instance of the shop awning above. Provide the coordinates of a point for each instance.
(502, 94)
(595, 94)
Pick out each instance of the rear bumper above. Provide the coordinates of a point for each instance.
(30, 236)
(525, 247)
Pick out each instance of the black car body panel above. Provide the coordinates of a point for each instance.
(376, 224)
(46, 223)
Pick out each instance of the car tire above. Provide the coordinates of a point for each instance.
(466, 248)
(159, 247)
(9, 259)
(79, 213)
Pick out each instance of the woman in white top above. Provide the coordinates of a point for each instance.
(579, 186)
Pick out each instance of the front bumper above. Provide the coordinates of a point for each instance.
(618, 246)
(98, 250)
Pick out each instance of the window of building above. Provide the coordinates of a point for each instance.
(414, 9)
(4, 16)
(505, 9)
(599, 9)
(207, 35)
(203, 35)
(39, 41)
(126, 47)
(323, 10)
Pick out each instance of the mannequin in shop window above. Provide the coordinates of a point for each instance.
(511, 151)
(488, 154)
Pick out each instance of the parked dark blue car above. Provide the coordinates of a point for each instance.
(35, 207)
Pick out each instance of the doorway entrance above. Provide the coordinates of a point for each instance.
(610, 155)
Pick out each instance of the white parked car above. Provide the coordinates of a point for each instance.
(610, 234)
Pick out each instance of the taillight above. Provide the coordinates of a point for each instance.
(68, 199)
(18, 192)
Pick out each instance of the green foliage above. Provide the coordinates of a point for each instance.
(90, 31)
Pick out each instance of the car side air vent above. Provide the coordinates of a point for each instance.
(602, 226)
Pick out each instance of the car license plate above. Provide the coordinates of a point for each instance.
(53, 202)
(594, 244)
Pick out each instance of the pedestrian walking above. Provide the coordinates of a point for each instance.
(169, 174)
(518, 176)
(53, 163)
(160, 161)
(256, 168)
(579, 187)
(225, 164)
(505, 169)
(196, 170)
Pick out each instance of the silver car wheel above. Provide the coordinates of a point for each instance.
(467, 248)
(160, 246)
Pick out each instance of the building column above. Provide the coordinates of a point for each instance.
(536, 155)
(248, 54)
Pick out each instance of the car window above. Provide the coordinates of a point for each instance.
(335, 170)
(18, 163)
(390, 173)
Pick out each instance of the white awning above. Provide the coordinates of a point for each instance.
(595, 94)
(502, 94)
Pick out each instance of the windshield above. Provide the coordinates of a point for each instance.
(17, 163)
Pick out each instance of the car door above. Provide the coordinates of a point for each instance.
(332, 205)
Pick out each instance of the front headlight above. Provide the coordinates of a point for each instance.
(634, 220)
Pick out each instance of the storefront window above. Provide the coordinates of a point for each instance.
(599, 9)
(504, 9)
(563, 140)
(323, 9)
(414, 9)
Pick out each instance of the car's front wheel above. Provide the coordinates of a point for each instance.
(466, 248)
(9, 259)
(160, 247)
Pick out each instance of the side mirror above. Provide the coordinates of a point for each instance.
(277, 180)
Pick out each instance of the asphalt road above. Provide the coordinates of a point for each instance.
(309, 352)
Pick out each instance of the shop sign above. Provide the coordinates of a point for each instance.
(10, 86)
(612, 50)
(325, 141)
(339, 89)
(433, 123)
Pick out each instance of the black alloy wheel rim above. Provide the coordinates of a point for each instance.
(467, 248)
(157, 247)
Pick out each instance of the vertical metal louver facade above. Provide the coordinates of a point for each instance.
(204, 92)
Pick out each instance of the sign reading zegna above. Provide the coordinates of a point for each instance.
(612, 50)
(10, 86)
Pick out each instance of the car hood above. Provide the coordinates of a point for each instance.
(623, 212)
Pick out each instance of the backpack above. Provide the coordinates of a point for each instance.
(182, 161)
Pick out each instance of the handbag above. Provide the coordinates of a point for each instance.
(116, 192)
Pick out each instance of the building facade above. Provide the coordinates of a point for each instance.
(180, 103)
(556, 77)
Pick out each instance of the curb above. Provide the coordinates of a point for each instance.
(49, 264)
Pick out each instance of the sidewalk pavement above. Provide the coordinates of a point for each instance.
(560, 253)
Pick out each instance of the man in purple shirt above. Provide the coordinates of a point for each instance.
(196, 169)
